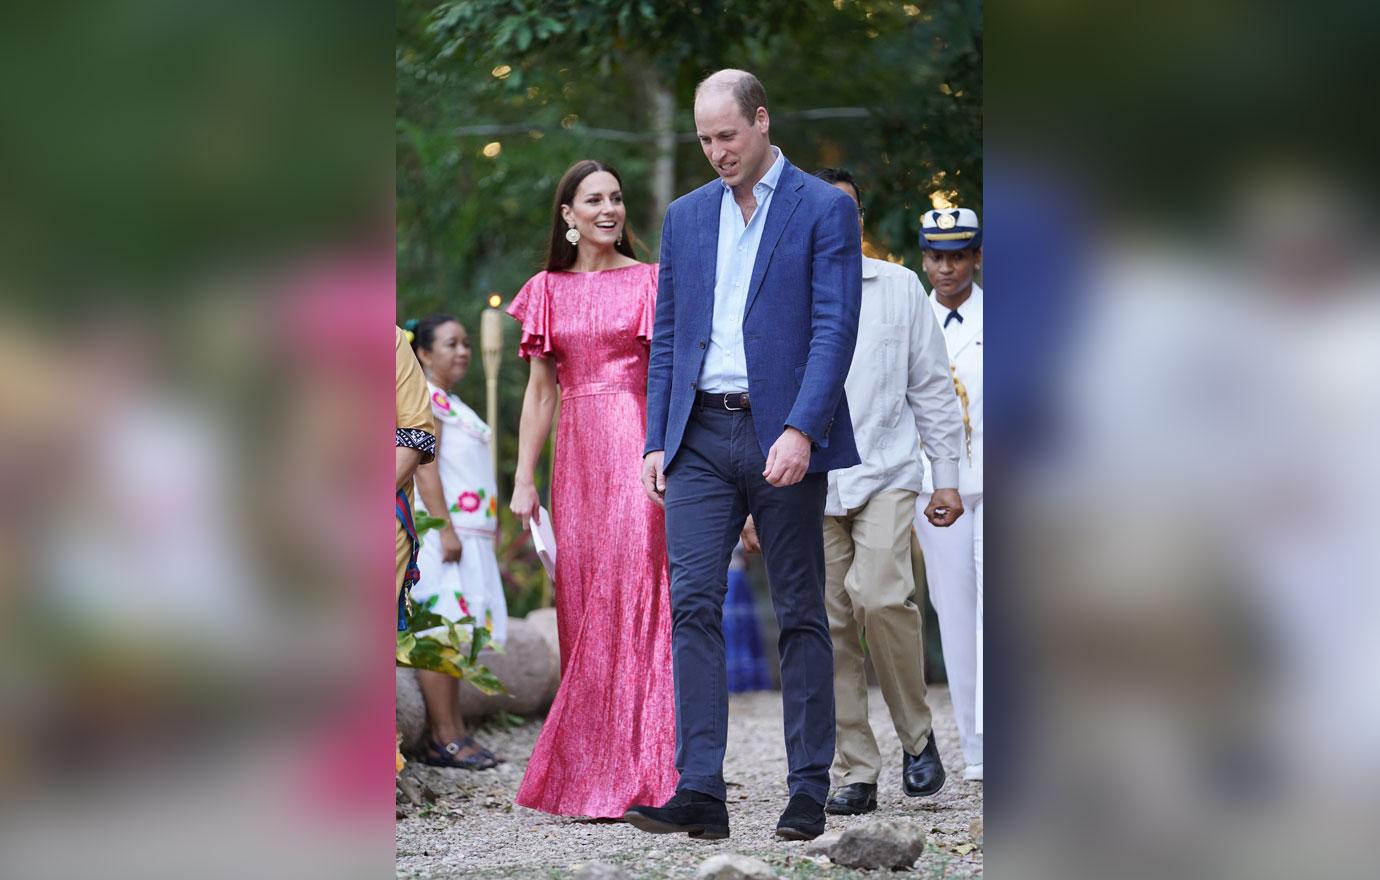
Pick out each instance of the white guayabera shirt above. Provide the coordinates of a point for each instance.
(899, 391)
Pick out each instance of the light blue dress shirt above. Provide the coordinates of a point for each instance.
(725, 364)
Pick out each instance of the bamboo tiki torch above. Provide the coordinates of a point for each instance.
(491, 345)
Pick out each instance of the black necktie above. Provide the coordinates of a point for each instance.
(953, 316)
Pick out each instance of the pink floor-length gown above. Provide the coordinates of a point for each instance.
(609, 740)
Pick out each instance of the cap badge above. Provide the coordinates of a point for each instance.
(945, 221)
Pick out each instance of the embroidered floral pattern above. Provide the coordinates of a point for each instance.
(441, 402)
(468, 502)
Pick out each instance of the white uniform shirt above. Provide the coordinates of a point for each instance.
(964, 340)
(899, 391)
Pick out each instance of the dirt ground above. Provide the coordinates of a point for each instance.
(470, 828)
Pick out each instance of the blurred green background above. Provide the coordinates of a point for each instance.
(495, 99)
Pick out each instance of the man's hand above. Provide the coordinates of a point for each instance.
(653, 477)
(750, 541)
(945, 508)
(788, 459)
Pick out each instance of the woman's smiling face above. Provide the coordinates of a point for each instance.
(597, 210)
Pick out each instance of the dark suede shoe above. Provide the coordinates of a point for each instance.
(853, 800)
(923, 774)
(803, 819)
(698, 815)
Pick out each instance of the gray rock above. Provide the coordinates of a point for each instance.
(733, 866)
(409, 791)
(879, 843)
(544, 619)
(975, 829)
(409, 710)
(599, 871)
(821, 845)
(528, 668)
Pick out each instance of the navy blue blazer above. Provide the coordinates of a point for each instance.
(799, 325)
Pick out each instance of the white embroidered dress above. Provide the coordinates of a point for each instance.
(471, 586)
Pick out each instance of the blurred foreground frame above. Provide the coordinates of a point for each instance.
(154, 143)
(196, 288)
(1183, 351)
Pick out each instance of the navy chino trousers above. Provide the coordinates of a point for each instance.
(712, 485)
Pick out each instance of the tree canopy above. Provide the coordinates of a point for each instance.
(497, 97)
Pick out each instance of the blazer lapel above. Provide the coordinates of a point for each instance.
(783, 204)
(707, 218)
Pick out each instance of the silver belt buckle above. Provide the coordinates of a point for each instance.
(732, 408)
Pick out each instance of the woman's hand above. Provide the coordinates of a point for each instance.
(526, 505)
(451, 548)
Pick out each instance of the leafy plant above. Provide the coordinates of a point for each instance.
(425, 522)
(421, 646)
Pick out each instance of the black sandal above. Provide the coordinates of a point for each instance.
(483, 750)
(447, 756)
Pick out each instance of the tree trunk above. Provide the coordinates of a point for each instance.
(664, 167)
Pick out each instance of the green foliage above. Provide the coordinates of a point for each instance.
(525, 577)
(448, 651)
(425, 522)
(676, 38)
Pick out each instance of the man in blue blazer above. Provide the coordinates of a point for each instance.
(756, 317)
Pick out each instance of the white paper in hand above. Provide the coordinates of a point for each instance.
(544, 540)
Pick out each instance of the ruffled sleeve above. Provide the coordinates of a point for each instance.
(646, 321)
(532, 308)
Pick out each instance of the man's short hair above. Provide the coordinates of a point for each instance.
(840, 175)
(747, 91)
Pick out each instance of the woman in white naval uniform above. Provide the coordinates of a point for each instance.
(952, 245)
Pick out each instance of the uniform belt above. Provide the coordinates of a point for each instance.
(733, 401)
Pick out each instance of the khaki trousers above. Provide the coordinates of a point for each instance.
(868, 586)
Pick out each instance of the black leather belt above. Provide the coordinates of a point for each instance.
(733, 401)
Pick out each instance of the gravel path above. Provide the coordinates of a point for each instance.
(472, 828)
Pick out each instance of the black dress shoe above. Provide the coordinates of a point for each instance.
(922, 774)
(698, 815)
(803, 819)
(853, 800)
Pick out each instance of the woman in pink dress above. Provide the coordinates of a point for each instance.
(609, 740)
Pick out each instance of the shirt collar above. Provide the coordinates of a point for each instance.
(773, 175)
(970, 305)
(869, 267)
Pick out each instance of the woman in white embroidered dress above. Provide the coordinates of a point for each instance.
(460, 576)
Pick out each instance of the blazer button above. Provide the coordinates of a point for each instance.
(701, 343)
